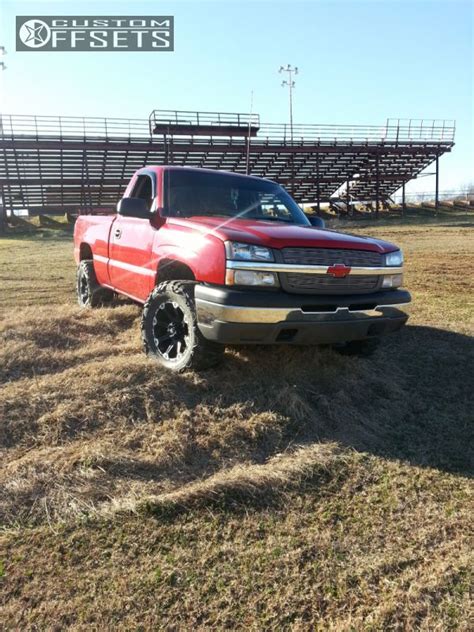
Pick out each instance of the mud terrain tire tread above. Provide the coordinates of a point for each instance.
(95, 295)
(202, 353)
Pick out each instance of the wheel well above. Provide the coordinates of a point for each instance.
(85, 252)
(171, 270)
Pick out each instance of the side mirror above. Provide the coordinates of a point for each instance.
(133, 207)
(316, 221)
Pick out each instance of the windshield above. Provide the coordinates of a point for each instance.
(227, 195)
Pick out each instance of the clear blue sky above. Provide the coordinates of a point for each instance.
(360, 62)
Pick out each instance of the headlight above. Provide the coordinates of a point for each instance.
(394, 259)
(392, 280)
(251, 277)
(247, 252)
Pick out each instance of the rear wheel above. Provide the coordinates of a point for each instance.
(89, 292)
(170, 332)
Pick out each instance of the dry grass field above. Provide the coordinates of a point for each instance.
(288, 489)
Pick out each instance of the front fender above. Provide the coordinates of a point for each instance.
(203, 254)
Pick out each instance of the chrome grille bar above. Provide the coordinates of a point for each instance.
(308, 269)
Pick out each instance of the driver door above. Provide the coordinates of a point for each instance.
(131, 244)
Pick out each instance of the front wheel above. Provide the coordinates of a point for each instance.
(170, 332)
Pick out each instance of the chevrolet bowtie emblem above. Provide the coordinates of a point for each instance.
(339, 270)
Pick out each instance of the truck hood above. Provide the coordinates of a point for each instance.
(281, 235)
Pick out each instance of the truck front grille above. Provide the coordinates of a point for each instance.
(326, 284)
(329, 256)
(320, 283)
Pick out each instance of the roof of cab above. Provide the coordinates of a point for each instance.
(199, 170)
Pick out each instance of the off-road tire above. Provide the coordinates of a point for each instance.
(89, 292)
(169, 317)
(362, 348)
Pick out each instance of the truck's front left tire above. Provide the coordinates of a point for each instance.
(89, 292)
(170, 332)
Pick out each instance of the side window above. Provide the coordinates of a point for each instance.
(143, 189)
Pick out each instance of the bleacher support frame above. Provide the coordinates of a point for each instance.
(57, 164)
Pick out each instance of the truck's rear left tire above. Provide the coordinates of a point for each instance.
(170, 332)
(89, 292)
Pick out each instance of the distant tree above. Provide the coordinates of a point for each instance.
(469, 190)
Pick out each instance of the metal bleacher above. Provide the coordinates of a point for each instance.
(53, 163)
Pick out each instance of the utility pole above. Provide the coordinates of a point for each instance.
(291, 71)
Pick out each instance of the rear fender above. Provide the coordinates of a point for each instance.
(91, 235)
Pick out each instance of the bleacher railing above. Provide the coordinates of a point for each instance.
(206, 119)
(66, 128)
(72, 127)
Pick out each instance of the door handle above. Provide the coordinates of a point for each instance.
(118, 233)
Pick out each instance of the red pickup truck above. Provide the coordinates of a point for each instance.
(219, 258)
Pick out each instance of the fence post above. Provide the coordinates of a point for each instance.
(318, 192)
(377, 185)
(3, 215)
(437, 184)
(349, 212)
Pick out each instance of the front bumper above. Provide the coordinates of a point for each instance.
(234, 316)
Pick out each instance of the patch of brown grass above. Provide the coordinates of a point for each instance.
(290, 487)
(382, 547)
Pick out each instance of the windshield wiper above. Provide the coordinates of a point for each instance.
(273, 219)
(200, 214)
(238, 216)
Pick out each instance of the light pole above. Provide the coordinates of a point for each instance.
(291, 71)
(291, 84)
